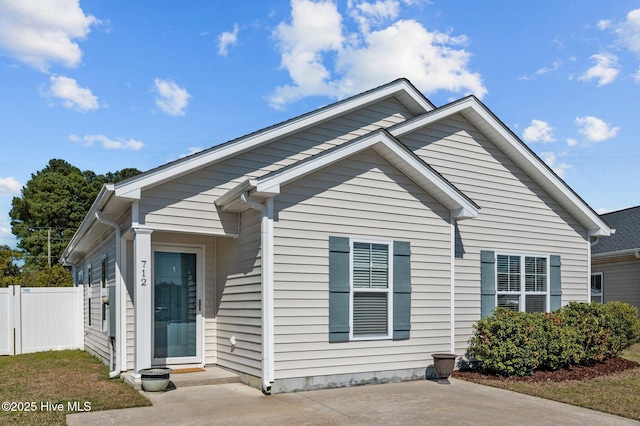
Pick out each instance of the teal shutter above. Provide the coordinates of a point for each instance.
(339, 289)
(487, 283)
(401, 290)
(555, 282)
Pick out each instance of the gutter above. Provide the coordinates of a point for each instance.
(266, 239)
(116, 227)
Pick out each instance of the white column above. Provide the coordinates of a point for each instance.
(142, 299)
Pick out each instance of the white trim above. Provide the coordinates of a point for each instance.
(387, 147)
(478, 114)
(388, 290)
(401, 89)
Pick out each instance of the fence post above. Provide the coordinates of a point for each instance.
(17, 321)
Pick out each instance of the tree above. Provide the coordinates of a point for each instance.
(52, 206)
(9, 269)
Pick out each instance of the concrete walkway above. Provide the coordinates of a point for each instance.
(410, 403)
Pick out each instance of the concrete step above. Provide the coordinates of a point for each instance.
(210, 376)
(178, 379)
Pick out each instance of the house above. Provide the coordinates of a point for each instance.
(343, 246)
(615, 261)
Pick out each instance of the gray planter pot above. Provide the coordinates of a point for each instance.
(444, 365)
(155, 379)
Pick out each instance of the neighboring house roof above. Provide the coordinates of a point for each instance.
(627, 236)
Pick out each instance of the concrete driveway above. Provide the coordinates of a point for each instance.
(409, 403)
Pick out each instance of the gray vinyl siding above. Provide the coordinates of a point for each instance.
(621, 280)
(95, 338)
(363, 196)
(186, 203)
(516, 215)
(239, 298)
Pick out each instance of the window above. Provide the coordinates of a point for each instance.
(522, 282)
(370, 289)
(103, 278)
(597, 279)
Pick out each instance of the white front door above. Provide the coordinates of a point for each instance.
(177, 305)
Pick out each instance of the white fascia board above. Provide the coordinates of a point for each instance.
(400, 88)
(98, 204)
(486, 122)
(392, 152)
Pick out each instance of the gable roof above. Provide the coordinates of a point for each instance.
(496, 131)
(627, 236)
(401, 89)
(382, 142)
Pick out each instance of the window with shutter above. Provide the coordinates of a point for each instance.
(369, 289)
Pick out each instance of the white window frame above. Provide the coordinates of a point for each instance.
(522, 293)
(104, 292)
(601, 274)
(388, 290)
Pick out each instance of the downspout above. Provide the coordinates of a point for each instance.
(453, 283)
(266, 239)
(116, 227)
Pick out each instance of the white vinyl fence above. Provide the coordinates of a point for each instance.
(40, 319)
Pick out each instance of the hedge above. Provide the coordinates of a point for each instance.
(517, 343)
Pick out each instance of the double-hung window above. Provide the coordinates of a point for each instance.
(596, 287)
(522, 282)
(371, 289)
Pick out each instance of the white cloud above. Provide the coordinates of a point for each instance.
(40, 33)
(603, 24)
(107, 143)
(538, 131)
(227, 39)
(171, 99)
(572, 142)
(605, 70)
(9, 186)
(368, 14)
(629, 31)
(339, 65)
(192, 150)
(72, 96)
(552, 161)
(595, 129)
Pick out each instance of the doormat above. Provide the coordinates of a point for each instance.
(187, 370)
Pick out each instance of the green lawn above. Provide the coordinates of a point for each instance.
(44, 387)
(617, 393)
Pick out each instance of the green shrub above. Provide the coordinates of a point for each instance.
(593, 328)
(517, 343)
(507, 343)
(625, 324)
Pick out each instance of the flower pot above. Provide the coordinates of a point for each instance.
(155, 379)
(444, 364)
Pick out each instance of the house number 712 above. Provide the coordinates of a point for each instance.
(143, 278)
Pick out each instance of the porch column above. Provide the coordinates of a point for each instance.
(142, 299)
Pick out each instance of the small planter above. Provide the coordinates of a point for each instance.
(155, 379)
(444, 364)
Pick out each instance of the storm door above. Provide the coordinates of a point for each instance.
(177, 309)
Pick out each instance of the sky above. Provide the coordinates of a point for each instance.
(107, 85)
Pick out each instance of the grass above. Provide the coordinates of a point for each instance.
(617, 393)
(59, 382)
